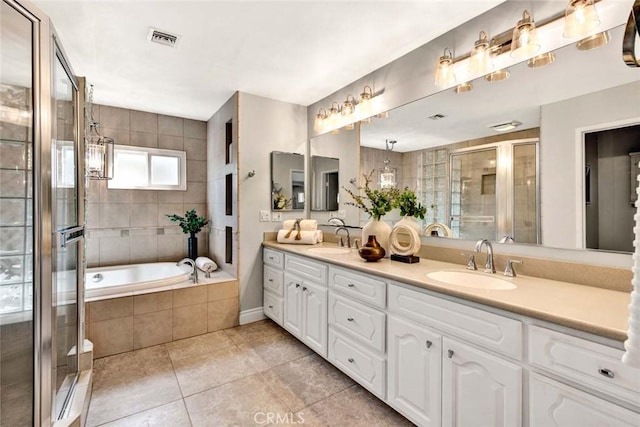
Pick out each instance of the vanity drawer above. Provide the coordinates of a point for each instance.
(360, 364)
(489, 330)
(273, 307)
(273, 280)
(273, 258)
(585, 362)
(363, 323)
(359, 286)
(306, 268)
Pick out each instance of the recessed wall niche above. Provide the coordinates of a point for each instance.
(228, 194)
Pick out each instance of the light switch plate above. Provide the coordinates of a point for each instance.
(265, 216)
(276, 216)
(342, 214)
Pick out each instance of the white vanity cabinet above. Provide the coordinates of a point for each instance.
(305, 302)
(273, 285)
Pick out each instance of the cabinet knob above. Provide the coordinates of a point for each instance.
(607, 373)
(349, 319)
(297, 285)
(429, 344)
(304, 288)
(450, 354)
(271, 280)
(271, 258)
(351, 285)
(351, 360)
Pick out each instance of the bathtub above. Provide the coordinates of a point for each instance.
(126, 280)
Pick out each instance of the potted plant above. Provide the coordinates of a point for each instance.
(410, 209)
(191, 224)
(376, 203)
(280, 201)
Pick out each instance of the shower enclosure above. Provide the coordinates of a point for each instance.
(41, 219)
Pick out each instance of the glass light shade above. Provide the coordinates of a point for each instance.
(364, 106)
(366, 120)
(580, 18)
(444, 75)
(593, 41)
(334, 115)
(98, 154)
(541, 60)
(383, 115)
(464, 87)
(348, 106)
(497, 76)
(480, 60)
(387, 178)
(318, 124)
(524, 42)
(350, 126)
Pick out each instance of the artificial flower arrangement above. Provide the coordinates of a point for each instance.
(374, 202)
(408, 203)
(190, 223)
(280, 201)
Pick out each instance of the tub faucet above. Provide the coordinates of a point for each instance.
(194, 271)
(340, 242)
(488, 268)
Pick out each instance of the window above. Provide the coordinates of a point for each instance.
(148, 169)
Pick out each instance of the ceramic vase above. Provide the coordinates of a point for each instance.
(410, 221)
(371, 251)
(381, 230)
(192, 247)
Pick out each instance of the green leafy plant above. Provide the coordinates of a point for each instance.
(408, 203)
(280, 201)
(375, 202)
(190, 223)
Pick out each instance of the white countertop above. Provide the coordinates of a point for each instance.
(595, 310)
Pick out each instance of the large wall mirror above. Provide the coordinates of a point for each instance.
(287, 181)
(527, 182)
(325, 183)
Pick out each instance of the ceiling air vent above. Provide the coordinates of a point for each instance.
(437, 116)
(162, 37)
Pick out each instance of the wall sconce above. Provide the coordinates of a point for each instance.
(98, 149)
(348, 106)
(334, 114)
(445, 76)
(480, 60)
(541, 60)
(364, 106)
(524, 42)
(580, 18)
(593, 41)
(318, 124)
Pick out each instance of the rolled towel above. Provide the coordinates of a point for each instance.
(206, 264)
(319, 236)
(305, 224)
(305, 237)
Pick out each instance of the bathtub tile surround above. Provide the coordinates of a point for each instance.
(123, 324)
(127, 386)
(130, 226)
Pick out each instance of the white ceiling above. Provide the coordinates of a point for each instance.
(469, 115)
(295, 51)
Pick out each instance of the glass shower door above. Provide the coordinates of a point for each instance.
(69, 230)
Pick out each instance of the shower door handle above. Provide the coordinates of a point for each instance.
(69, 235)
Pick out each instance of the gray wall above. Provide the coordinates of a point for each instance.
(130, 226)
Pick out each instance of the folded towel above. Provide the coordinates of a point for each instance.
(206, 264)
(298, 237)
(305, 224)
(319, 236)
(631, 356)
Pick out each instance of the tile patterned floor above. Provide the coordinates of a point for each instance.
(234, 377)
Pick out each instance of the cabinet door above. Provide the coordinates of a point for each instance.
(293, 304)
(479, 389)
(314, 317)
(414, 373)
(555, 404)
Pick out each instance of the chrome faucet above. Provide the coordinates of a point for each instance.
(488, 268)
(194, 271)
(340, 241)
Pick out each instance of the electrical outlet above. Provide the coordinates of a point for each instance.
(276, 216)
(342, 214)
(265, 216)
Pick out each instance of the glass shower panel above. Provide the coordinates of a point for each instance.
(525, 193)
(473, 194)
(65, 220)
(16, 221)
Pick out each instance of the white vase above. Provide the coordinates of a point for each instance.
(411, 221)
(381, 230)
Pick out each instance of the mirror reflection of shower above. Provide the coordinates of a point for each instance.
(387, 176)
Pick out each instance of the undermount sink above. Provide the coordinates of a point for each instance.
(329, 251)
(470, 279)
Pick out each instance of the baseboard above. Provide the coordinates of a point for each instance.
(252, 315)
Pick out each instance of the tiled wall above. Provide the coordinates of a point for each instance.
(123, 324)
(130, 226)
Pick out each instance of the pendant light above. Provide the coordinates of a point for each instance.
(541, 60)
(480, 60)
(387, 175)
(524, 42)
(318, 124)
(444, 75)
(580, 18)
(98, 149)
